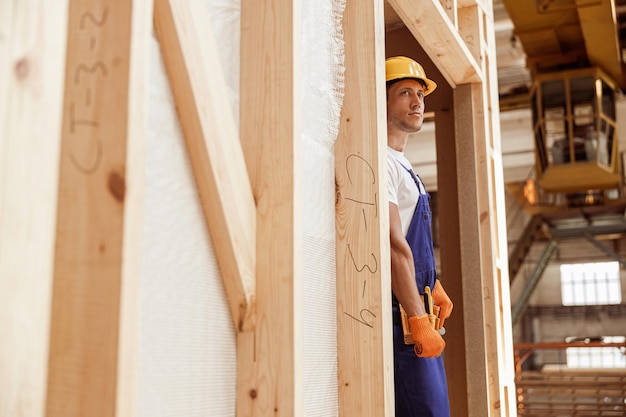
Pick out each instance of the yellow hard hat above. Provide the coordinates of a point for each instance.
(399, 67)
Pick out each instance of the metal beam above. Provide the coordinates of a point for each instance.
(598, 22)
(608, 251)
(531, 284)
(592, 230)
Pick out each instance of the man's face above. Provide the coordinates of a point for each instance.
(405, 106)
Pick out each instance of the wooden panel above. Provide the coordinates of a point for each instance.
(365, 355)
(32, 55)
(269, 359)
(428, 22)
(195, 73)
(90, 219)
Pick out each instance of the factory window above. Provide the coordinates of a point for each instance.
(597, 357)
(591, 284)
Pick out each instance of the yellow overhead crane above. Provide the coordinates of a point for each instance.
(576, 146)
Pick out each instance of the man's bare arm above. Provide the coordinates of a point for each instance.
(402, 267)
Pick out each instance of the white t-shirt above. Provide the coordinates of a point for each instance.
(402, 190)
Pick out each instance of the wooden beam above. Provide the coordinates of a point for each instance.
(32, 51)
(450, 216)
(195, 74)
(470, 152)
(92, 198)
(365, 355)
(431, 27)
(270, 381)
(499, 311)
(471, 30)
(127, 393)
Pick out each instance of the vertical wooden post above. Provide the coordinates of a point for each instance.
(497, 297)
(362, 221)
(469, 154)
(32, 51)
(129, 318)
(93, 195)
(453, 271)
(269, 358)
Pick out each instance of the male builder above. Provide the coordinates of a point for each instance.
(420, 381)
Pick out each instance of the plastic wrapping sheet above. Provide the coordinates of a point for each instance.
(187, 347)
(319, 291)
(225, 24)
(322, 96)
(322, 69)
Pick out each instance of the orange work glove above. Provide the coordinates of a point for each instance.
(428, 342)
(441, 299)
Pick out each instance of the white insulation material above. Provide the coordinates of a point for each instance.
(187, 353)
(187, 350)
(322, 87)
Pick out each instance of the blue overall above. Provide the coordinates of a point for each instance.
(420, 383)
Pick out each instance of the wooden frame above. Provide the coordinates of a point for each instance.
(479, 353)
(430, 25)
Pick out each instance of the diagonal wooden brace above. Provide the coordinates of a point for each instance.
(217, 159)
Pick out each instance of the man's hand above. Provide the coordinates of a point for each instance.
(428, 343)
(442, 300)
